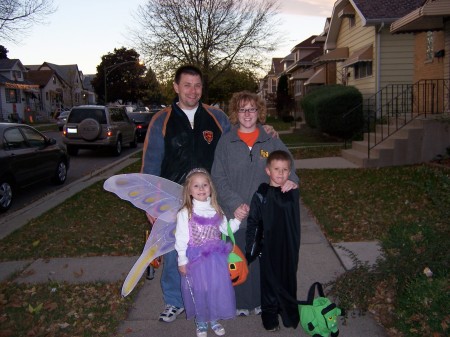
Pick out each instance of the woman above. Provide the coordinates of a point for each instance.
(238, 169)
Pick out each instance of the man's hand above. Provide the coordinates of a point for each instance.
(288, 185)
(150, 218)
(270, 130)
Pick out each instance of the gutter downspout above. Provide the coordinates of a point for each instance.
(378, 79)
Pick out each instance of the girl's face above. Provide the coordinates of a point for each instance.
(247, 116)
(199, 187)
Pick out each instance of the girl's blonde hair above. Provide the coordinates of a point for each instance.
(187, 198)
(239, 99)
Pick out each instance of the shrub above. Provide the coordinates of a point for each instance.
(326, 106)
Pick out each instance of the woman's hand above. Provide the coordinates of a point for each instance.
(288, 185)
(241, 212)
(182, 269)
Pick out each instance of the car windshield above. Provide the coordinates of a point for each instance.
(78, 115)
(140, 117)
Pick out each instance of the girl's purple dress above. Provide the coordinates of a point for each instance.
(207, 291)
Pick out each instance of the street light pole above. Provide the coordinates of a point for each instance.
(109, 69)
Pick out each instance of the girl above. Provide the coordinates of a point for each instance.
(206, 287)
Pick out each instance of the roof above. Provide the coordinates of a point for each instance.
(66, 72)
(364, 54)
(338, 54)
(40, 77)
(8, 64)
(371, 12)
(385, 10)
(277, 66)
(6, 82)
(308, 43)
(428, 17)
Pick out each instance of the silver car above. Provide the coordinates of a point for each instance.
(97, 127)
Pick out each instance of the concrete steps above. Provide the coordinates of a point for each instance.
(419, 141)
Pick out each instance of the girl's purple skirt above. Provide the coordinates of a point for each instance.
(207, 291)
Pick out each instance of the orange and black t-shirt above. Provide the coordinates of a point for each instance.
(249, 138)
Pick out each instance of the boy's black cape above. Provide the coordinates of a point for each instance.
(278, 214)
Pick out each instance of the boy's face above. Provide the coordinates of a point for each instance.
(278, 172)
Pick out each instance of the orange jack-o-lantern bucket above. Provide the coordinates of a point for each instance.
(237, 264)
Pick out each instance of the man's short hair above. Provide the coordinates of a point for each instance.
(188, 69)
(279, 155)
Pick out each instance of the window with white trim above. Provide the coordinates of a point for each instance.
(363, 69)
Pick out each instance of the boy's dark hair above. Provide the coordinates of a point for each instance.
(279, 155)
(188, 69)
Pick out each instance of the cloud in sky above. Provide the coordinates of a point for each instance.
(81, 31)
(307, 7)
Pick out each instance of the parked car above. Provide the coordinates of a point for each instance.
(98, 126)
(141, 120)
(27, 157)
(62, 119)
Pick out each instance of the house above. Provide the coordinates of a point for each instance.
(268, 86)
(50, 90)
(366, 54)
(404, 114)
(430, 26)
(18, 96)
(73, 83)
(301, 70)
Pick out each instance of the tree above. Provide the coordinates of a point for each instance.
(124, 76)
(18, 16)
(215, 35)
(3, 53)
(232, 81)
(284, 101)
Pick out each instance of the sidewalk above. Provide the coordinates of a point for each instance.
(319, 261)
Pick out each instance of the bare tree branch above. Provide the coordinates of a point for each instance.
(18, 16)
(215, 35)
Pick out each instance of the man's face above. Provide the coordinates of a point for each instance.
(189, 91)
(278, 172)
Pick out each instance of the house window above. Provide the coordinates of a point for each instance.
(46, 95)
(429, 55)
(274, 85)
(17, 74)
(351, 21)
(12, 95)
(54, 80)
(363, 69)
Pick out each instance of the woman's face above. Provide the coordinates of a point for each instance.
(247, 116)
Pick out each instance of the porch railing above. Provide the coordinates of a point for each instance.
(396, 105)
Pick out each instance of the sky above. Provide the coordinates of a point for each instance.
(81, 31)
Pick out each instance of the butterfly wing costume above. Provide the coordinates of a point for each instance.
(159, 197)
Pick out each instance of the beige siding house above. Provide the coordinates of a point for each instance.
(375, 57)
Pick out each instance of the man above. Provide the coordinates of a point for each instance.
(181, 137)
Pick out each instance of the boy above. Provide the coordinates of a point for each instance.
(277, 216)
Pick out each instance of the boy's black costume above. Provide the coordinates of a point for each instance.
(278, 215)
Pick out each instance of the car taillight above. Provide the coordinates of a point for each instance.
(138, 126)
(109, 133)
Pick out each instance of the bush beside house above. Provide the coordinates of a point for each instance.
(335, 110)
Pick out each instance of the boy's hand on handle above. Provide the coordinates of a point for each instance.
(241, 212)
(182, 270)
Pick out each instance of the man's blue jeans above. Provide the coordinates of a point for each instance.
(170, 280)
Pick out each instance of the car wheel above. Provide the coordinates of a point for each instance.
(6, 195)
(72, 150)
(133, 144)
(89, 129)
(117, 149)
(61, 173)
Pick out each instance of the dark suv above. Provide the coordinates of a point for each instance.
(97, 126)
